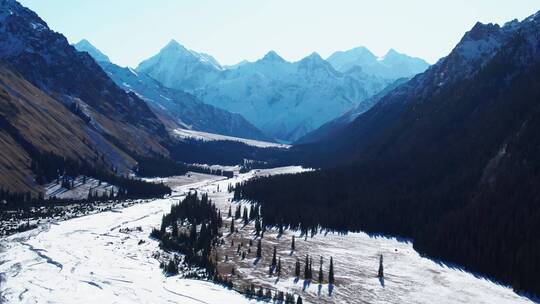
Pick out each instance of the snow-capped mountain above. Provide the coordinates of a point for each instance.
(85, 46)
(283, 99)
(178, 109)
(177, 67)
(341, 122)
(393, 65)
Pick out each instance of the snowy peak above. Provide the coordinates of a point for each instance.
(173, 46)
(362, 52)
(85, 46)
(315, 62)
(393, 65)
(315, 57)
(272, 56)
(174, 51)
(393, 54)
(176, 66)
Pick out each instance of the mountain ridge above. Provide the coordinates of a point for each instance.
(178, 109)
(299, 96)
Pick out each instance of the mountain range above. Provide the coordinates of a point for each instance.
(176, 108)
(449, 159)
(284, 99)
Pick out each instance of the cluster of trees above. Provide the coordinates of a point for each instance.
(228, 153)
(6, 197)
(268, 295)
(489, 231)
(159, 166)
(192, 228)
(50, 167)
(208, 170)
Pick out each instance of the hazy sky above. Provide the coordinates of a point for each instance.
(129, 31)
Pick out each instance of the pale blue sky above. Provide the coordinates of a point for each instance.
(129, 31)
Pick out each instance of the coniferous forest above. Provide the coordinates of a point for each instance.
(464, 188)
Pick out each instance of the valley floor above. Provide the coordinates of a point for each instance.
(109, 258)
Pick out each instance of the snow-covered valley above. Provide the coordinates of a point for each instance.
(109, 258)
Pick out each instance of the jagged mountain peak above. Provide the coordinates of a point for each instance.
(174, 46)
(360, 51)
(315, 56)
(481, 31)
(273, 56)
(86, 46)
(393, 53)
(174, 51)
(393, 65)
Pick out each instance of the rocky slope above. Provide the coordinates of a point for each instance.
(60, 105)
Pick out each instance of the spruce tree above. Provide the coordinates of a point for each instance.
(331, 272)
(297, 268)
(259, 249)
(292, 244)
(175, 229)
(320, 271)
(246, 217)
(274, 260)
(381, 270)
(279, 267)
(232, 226)
(237, 212)
(310, 268)
(299, 300)
(306, 268)
(257, 226)
(230, 212)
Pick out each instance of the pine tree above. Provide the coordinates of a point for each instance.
(381, 270)
(232, 226)
(193, 233)
(292, 243)
(252, 212)
(246, 217)
(310, 269)
(230, 212)
(274, 260)
(163, 225)
(259, 249)
(175, 229)
(172, 268)
(297, 269)
(321, 277)
(237, 213)
(306, 268)
(257, 226)
(299, 300)
(331, 272)
(279, 267)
